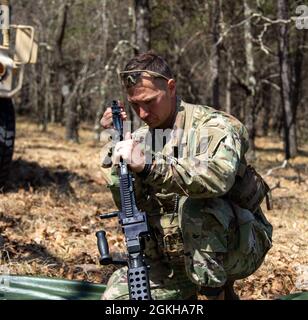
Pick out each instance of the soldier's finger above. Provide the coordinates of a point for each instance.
(106, 122)
(116, 154)
(123, 115)
(127, 136)
(108, 116)
(108, 111)
(121, 104)
(123, 112)
(121, 150)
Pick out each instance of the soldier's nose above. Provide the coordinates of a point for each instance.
(143, 114)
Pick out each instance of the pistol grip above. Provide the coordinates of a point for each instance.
(103, 248)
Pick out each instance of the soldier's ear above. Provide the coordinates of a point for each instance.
(171, 87)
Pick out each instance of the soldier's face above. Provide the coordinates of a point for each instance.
(154, 101)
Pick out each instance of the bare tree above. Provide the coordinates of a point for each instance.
(297, 71)
(58, 61)
(250, 80)
(142, 32)
(142, 25)
(289, 124)
(215, 63)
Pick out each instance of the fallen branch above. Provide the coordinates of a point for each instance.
(270, 171)
(88, 267)
(277, 186)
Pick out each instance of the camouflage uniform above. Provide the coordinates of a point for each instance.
(199, 237)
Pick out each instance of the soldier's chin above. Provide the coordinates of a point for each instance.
(152, 123)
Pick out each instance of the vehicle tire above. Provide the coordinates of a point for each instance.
(7, 137)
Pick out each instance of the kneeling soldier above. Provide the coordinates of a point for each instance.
(192, 180)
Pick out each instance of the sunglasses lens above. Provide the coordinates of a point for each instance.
(130, 79)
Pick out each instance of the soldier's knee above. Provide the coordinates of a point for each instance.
(205, 235)
(218, 248)
(253, 242)
(117, 288)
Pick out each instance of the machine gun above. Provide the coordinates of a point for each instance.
(134, 225)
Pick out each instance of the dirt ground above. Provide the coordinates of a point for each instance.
(49, 213)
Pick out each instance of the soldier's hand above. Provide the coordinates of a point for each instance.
(129, 150)
(106, 120)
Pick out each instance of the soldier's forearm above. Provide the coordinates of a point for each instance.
(211, 178)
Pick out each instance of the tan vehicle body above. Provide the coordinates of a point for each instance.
(14, 57)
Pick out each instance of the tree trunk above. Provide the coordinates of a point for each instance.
(102, 61)
(215, 54)
(228, 89)
(47, 90)
(72, 106)
(297, 72)
(143, 24)
(72, 123)
(290, 143)
(34, 91)
(58, 65)
(267, 105)
(250, 105)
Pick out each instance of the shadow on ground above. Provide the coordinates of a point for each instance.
(28, 175)
(12, 250)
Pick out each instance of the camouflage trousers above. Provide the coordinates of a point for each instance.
(220, 242)
(166, 284)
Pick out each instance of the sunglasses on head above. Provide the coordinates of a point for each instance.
(132, 77)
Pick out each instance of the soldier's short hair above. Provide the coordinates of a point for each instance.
(149, 61)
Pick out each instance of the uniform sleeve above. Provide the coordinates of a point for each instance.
(209, 172)
(109, 172)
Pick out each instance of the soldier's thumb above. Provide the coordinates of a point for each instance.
(127, 136)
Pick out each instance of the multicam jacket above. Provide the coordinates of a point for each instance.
(200, 158)
(184, 195)
(194, 226)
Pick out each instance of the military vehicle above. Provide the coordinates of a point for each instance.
(17, 48)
